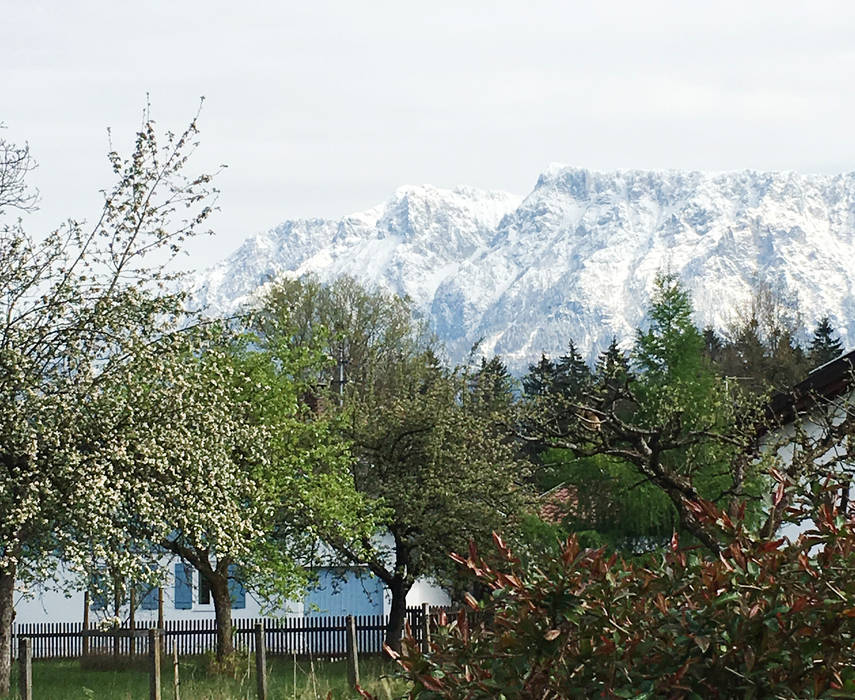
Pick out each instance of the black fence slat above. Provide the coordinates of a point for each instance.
(312, 636)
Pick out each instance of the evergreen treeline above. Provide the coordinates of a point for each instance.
(758, 361)
(673, 371)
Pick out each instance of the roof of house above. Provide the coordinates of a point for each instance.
(826, 381)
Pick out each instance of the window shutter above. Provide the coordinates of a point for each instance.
(183, 586)
(236, 590)
(97, 597)
(149, 599)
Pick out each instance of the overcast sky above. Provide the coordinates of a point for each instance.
(320, 108)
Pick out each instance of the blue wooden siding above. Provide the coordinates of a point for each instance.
(236, 590)
(344, 593)
(183, 586)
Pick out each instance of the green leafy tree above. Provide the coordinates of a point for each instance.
(672, 434)
(762, 353)
(75, 304)
(430, 457)
(216, 460)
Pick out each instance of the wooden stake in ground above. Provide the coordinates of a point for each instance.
(260, 661)
(86, 623)
(132, 622)
(425, 628)
(154, 664)
(176, 683)
(25, 666)
(352, 653)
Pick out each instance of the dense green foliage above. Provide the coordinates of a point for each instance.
(214, 458)
(432, 456)
(638, 433)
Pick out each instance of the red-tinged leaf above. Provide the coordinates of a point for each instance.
(849, 612)
(391, 652)
(470, 601)
(473, 550)
(779, 494)
(514, 581)
(363, 693)
(551, 634)
(800, 604)
(771, 544)
(777, 476)
(456, 557)
(805, 564)
(693, 506)
(740, 513)
(675, 541)
(499, 542)
(433, 684)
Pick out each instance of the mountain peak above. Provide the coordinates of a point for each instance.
(574, 259)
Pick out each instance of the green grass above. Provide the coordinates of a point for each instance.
(65, 680)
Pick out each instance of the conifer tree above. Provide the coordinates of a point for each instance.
(572, 373)
(541, 378)
(825, 344)
(713, 345)
(491, 386)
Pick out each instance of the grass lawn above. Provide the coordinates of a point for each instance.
(65, 680)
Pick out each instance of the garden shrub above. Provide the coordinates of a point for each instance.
(760, 618)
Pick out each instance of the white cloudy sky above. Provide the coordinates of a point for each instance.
(323, 107)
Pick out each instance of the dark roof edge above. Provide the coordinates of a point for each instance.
(825, 382)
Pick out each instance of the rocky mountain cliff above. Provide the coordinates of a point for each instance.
(576, 257)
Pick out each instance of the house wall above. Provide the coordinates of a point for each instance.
(50, 604)
(782, 442)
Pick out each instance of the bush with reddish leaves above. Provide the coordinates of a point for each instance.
(761, 618)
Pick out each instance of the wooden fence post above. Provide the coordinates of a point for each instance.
(132, 622)
(117, 611)
(25, 668)
(160, 624)
(175, 680)
(154, 664)
(86, 623)
(352, 652)
(425, 628)
(260, 661)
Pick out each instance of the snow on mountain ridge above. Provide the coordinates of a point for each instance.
(575, 258)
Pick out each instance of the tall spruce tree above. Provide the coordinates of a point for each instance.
(541, 378)
(573, 376)
(825, 344)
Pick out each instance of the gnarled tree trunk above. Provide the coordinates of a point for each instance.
(7, 613)
(399, 588)
(223, 614)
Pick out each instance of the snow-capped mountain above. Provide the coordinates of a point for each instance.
(577, 256)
